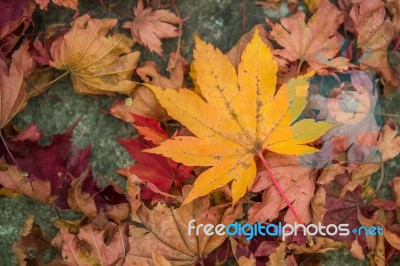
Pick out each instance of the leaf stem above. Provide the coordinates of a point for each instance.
(299, 67)
(244, 11)
(53, 81)
(390, 115)
(180, 29)
(8, 150)
(283, 194)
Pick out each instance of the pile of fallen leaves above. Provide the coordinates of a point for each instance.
(284, 128)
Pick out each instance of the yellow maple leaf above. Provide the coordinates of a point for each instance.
(242, 116)
(99, 63)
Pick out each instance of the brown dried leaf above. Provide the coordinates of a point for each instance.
(12, 83)
(278, 257)
(142, 101)
(72, 4)
(150, 26)
(316, 42)
(82, 197)
(98, 243)
(14, 15)
(389, 146)
(98, 63)
(356, 250)
(322, 245)
(15, 180)
(294, 179)
(166, 231)
(29, 248)
(374, 34)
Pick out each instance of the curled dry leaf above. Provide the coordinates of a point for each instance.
(277, 258)
(72, 4)
(388, 146)
(88, 197)
(102, 243)
(151, 25)
(13, 94)
(99, 63)
(381, 219)
(12, 178)
(357, 251)
(51, 165)
(321, 245)
(166, 231)
(37, 82)
(316, 42)
(394, 9)
(142, 101)
(58, 174)
(241, 117)
(14, 15)
(374, 34)
(32, 244)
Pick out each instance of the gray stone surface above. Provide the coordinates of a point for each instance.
(219, 22)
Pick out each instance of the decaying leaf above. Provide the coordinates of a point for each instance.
(85, 195)
(322, 245)
(295, 180)
(13, 93)
(15, 18)
(242, 117)
(72, 4)
(374, 34)
(278, 257)
(58, 174)
(316, 42)
(150, 26)
(31, 245)
(275, 3)
(356, 250)
(393, 7)
(142, 101)
(98, 243)
(99, 63)
(388, 147)
(166, 231)
(18, 181)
